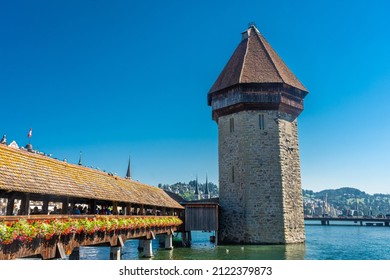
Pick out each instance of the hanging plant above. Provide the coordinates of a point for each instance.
(25, 231)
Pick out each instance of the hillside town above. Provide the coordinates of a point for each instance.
(344, 201)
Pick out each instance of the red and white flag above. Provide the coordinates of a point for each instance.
(29, 133)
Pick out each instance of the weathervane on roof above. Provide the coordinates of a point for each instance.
(29, 146)
(29, 135)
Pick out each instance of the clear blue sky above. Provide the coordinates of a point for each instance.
(120, 78)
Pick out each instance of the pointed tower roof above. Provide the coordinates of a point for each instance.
(206, 189)
(196, 186)
(256, 78)
(255, 62)
(80, 161)
(128, 173)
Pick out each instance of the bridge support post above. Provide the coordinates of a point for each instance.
(323, 222)
(168, 242)
(140, 244)
(186, 237)
(386, 224)
(148, 250)
(75, 255)
(115, 253)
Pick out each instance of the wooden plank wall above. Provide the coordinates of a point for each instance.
(201, 217)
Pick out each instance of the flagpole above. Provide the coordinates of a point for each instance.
(29, 136)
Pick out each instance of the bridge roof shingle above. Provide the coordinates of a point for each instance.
(27, 172)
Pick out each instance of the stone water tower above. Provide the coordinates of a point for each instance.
(256, 101)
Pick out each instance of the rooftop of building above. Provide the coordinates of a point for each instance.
(28, 172)
(255, 62)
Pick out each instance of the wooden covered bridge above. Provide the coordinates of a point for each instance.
(35, 187)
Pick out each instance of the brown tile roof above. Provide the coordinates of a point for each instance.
(255, 61)
(22, 171)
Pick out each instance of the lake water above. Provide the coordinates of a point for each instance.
(335, 242)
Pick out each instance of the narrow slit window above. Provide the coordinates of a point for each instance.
(231, 125)
(261, 122)
(232, 174)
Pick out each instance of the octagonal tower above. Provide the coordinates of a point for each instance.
(256, 101)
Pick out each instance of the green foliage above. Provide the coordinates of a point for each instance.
(187, 190)
(27, 230)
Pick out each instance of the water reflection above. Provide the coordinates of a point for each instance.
(322, 242)
(295, 251)
(202, 249)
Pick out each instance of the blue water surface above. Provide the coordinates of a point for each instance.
(335, 242)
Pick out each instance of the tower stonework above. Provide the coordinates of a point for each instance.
(256, 101)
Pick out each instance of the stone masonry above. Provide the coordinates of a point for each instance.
(259, 170)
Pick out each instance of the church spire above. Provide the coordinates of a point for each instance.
(197, 195)
(206, 190)
(80, 162)
(128, 173)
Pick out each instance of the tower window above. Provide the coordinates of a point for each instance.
(261, 122)
(231, 124)
(232, 174)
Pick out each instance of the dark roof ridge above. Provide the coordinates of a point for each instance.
(244, 60)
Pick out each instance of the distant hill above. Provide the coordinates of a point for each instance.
(347, 200)
(187, 190)
(341, 201)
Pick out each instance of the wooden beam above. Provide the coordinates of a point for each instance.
(65, 205)
(25, 205)
(115, 207)
(154, 211)
(10, 206)
(92, 206)
(128, 209)
(45, 206)
(60, 252)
